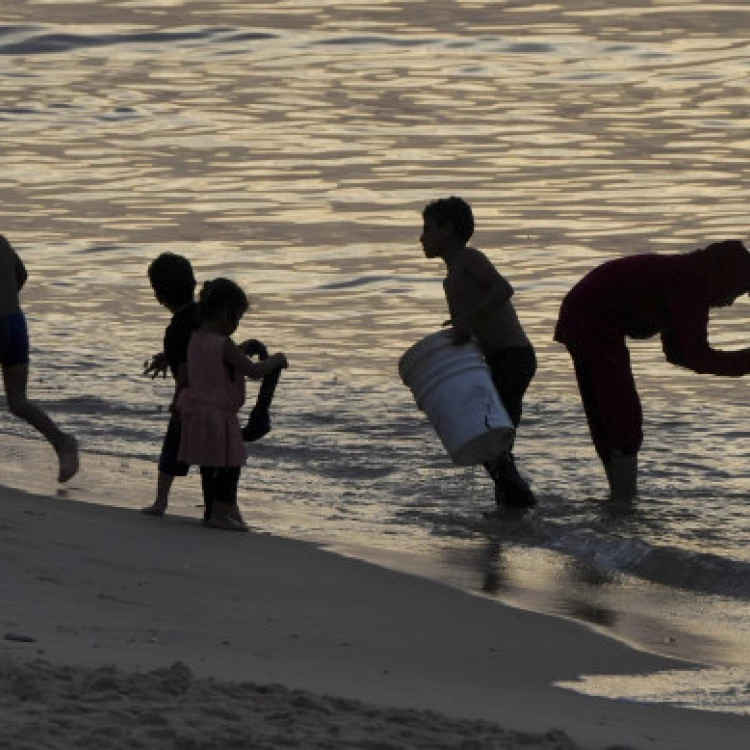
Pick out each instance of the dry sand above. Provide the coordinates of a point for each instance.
(159, 633)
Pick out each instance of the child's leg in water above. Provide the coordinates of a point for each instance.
(163, 485)
(169, 468)
(220, 494)
(15, 379)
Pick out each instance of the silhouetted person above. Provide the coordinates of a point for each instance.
(479, 302)
(14, 357)
(640, 296)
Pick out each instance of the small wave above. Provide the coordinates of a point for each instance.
(700, 572)
(88, 406)
(722, 689)
(39, 40)
(381, 40)
(678, 568)
(530, 48)
(375, 279)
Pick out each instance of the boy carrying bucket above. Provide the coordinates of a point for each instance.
(479, 302)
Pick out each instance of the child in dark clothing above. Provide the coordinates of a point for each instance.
(173, 282)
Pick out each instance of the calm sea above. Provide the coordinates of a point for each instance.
(291, 145)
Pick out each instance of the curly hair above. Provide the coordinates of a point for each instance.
(455, 210)
(172, 279)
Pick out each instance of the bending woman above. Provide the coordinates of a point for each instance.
(640, 296)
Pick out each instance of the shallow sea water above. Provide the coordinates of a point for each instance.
(291, 146)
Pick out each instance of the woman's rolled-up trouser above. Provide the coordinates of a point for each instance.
(610, 399)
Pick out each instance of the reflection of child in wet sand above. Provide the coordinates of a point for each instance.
(211, 396)
(14, 357)
(173, 282)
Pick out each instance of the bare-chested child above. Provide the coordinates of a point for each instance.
(479, 301)
(14, 358)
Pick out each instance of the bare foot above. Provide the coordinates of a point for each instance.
(67, 456)
(157, 509)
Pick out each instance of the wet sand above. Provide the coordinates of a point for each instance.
(164, 633)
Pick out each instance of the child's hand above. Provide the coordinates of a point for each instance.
(157, 366)
(280, 360)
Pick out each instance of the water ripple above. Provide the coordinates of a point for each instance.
(39, 41)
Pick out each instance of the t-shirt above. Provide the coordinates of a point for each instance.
(177, 336)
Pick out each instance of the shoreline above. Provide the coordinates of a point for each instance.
(95, 585)
(641, 614)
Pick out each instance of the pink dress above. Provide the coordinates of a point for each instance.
(210, 429)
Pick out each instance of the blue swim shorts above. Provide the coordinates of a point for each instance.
(14, 340)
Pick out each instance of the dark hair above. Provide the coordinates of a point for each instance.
(172, 279)
(219, 295)
(455, 210)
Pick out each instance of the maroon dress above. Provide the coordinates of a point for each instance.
(211, 434)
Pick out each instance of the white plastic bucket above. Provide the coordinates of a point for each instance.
(453, 386)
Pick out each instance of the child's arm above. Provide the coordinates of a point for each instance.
(20, 270)
(236, 358)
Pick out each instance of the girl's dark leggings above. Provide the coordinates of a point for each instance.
(219, 484)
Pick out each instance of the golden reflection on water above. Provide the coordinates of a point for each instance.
(292, 145)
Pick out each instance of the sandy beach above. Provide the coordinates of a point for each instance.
(122, 631)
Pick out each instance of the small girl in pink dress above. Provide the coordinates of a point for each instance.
(213, 393)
